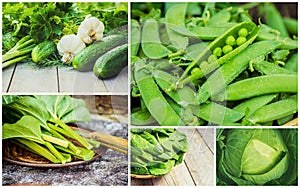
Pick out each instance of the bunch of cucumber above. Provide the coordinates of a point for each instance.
(106, 57)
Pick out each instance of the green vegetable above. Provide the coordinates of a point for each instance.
(257, 157)
(37, 123)
(8, 42)
(156, 151)
(85, 60)
(111, 63)
(42, 51)
(19, 52)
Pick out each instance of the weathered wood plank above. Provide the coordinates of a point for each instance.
(208, 136)
(118, 83)
(75, 81)
(200, 160)
(27, 79)
(7, 75)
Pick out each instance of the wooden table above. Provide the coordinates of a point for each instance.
(25, 79)
(198, 166)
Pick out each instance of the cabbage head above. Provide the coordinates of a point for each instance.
(257, 157)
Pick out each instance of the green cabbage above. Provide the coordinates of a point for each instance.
(257, 157)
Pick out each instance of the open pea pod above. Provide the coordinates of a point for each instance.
(220, 43)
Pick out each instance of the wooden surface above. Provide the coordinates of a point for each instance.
(198, 166)
(25, 79)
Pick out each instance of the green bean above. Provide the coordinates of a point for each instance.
(230, 70)
(268, 68)
(217, 114)
(135, 37)
(291, 25)
(292, 63)
(285, 119)
(175, 16)
(274, 19)
(220, 42)
(251, 105)
(261, 85)
(275, 110)
(150, 40)
(183, 96)
(155, 102)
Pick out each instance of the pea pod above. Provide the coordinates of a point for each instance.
(204, 33)
(183, 96)
(274, 19)
(175, 17)
(291, 25)
(292, 63)
(217, 114)
(230, 70)
(155, 102)
(151, 43)
(275, 110)
(135, 37)
(219, 43)
(251, 105)
(268, 68)
(141, 117)
(221, 17)
(261, 85)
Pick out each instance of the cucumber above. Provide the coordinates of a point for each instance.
(85, 60)
(42, 50)
(111, 63)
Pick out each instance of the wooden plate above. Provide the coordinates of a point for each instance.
(17, 155)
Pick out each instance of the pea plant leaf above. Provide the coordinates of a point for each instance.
(27, 127)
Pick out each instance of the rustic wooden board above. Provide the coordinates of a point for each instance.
(27, 79)
(75, 81)
(198, 166)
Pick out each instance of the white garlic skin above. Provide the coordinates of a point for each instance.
(68, 46)
(90, 30)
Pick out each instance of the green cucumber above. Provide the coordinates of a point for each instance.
(42, 51)
(85, 60)
(111, 63)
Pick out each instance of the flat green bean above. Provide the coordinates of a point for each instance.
(261, 85)
(135, 37)
(291, 25)
(292, 63)
(141, 117)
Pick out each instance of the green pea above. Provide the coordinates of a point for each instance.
(230, 40)
(218, 52)
(243, 32)
(226, 49)
(203, 64)
(240, 40)
(212, 59)
(195, 70)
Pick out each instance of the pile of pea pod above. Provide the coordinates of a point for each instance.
(198, 64)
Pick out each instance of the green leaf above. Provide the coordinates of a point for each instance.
(27, 127)
(27, 105)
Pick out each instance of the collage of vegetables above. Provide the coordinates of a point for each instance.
(128, 93)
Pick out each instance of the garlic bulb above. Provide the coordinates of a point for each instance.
(91, 29)
(68, 46)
